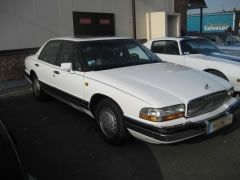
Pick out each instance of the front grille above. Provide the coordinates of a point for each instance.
(206, 103)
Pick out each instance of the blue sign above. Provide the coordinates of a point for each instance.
(216, 22)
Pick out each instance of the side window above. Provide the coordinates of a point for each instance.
(66, 55)
(50, 52)
(166, 47)
(158, 47)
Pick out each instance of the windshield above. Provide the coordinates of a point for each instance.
(109, 54)
(198, 46)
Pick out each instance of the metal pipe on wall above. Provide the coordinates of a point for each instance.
(201, 20)
(134, 19)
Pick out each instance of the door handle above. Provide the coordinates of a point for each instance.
(56, 72)
(37, 65)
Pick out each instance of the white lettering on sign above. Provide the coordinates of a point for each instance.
(216, 27)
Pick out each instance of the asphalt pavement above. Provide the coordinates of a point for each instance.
(56, 141)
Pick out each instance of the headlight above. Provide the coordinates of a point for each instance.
(163, 114)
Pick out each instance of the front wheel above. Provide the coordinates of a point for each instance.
(110, 120)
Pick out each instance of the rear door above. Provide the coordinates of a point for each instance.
(168, 50)
(46, 62)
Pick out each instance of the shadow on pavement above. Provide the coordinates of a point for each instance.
(58, 142)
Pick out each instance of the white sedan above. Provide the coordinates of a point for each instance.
(198, 53)
(129, 90)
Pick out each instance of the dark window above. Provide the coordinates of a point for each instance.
(50, 52)
(66, 55)
(198, 46)
(165, 47)
(69, 54)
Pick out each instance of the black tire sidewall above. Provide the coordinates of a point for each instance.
(41, 95)
(122, 133)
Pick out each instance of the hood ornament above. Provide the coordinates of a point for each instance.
(206, 87)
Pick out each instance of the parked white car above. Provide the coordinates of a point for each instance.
(198, 53)
(128, 89)
(226, 43)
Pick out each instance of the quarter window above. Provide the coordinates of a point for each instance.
(50, 52)
(165, 47)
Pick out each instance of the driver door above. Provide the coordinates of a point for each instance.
(70, 83)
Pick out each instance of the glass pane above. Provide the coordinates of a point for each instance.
(115, 53)
(66, 54)
(50, 52)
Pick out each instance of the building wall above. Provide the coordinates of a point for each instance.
(29, 23)
(12, 66)
(144, 7)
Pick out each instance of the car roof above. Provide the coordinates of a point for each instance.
(82, 39)
(168, 38)
(177, 38)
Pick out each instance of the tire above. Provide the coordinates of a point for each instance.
(219, 74)
(111, 124)
(37, 91)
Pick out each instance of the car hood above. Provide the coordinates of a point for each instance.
(161, 84)
(220, 57)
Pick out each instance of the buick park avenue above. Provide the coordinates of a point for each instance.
(130, 91)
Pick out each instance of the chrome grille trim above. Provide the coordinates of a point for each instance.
(206, 103)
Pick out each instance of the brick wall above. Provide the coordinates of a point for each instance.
(12, 66)
(12, 63)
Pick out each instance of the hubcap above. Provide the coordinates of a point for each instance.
(108, 122)
(36, 87)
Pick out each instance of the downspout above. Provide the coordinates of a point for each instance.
(201, 20)
(134, 19)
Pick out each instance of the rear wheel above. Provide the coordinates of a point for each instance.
(110, 120)
(37, 91)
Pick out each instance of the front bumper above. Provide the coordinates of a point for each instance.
(179, 132)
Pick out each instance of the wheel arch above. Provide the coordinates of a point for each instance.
(211, 69)
(32, 73)
(96, 98)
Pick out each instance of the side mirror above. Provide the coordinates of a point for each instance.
(66, 67)
(186, 53)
